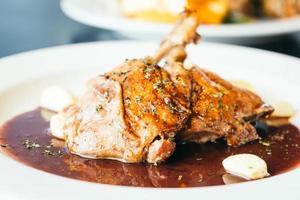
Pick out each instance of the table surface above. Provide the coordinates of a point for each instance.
(33, 24)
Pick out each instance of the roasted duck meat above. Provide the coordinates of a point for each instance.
(133, 113)
(220, 109)
(130, 114)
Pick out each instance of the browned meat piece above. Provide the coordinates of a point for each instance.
(95, 126)
(281, 8)
(220, 109)
(130, 114)
(133, 112)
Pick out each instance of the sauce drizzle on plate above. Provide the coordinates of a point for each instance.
(26, 139)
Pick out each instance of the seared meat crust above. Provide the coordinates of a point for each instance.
(220, 109)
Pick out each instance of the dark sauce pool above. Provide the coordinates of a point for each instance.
(25, 138)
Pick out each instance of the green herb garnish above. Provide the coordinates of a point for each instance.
(31, 145)
(209, 107)
(218, 95)
(127, 101)
(99, 108)
(172, 106)
(106, 94)
(48, 152)
(152, 109)
(138, 99)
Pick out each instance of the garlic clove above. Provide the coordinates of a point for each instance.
(56, 126)
(56, 98)
(282, 109)
(248, 166)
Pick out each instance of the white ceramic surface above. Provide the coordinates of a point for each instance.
(105, 14)
(24, 76)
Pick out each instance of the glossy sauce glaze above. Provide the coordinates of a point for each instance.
(26, 139)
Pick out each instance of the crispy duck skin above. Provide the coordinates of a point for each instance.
(130, 114)
(220, 109)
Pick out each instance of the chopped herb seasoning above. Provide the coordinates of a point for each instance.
(138, 99)
(172, 106)
(158, 85)
(106, 93)
(218, 95)
(46, 148)
(47, 152)
(178, 78)
(166, 82)
(152, 109)
(220, 105)
(121, 73)
(223, 90)
(148, 69)
(145, 110)
(197, 88)
(127, 101)
(209, 107)
(99, 108)
(30, 145)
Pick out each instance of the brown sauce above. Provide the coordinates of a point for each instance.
(26, 139)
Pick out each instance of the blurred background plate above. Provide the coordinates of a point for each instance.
(107, 15)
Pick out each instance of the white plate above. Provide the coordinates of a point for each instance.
(23, 77)
(105, 14)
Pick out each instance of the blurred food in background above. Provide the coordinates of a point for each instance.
(152, 10)
(210, 11)
(281, 8)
